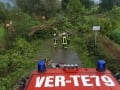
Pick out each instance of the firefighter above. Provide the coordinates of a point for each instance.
(64, 40)
(68, 38)
(55, 40)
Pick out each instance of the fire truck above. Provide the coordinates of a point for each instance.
(71, 77)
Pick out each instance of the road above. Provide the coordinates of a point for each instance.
(66, 56)
(60, 55)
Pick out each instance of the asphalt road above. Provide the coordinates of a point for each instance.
(66, 56)
(59, 55)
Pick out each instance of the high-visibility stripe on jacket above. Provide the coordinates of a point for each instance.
(64, 40)
(55, 41)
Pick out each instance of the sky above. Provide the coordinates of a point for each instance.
(8, 1)
(96, 1)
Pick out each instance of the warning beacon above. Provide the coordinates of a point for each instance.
(101, 65)
(41, 66)
(72, 77)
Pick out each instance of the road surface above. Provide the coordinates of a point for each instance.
(59, 55)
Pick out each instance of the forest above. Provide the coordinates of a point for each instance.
(25, 25)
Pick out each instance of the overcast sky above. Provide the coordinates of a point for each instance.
(8, 1)
(96, 1)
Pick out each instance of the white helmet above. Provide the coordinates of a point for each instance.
(54, 34)
(63, 33)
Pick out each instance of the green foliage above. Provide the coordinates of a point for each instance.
(106, 4)
(2, 37)
(112, 62)
(52, 6)
(3, 13)
(87, 3)
(115, 35)
(80, 44)
(106, 26)
(23, 23)
(115, 16)
(43, 34)
(67, 25)
(30, 6)
(2, 33)
(115, 19)
(64, 4)
(18, 62)
(85, 24)
(100, 53)
(104, 23)
(75, 6)
(117, 2)
(20, 59)
(39, 7)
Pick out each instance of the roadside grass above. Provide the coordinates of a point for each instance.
(110, 52)
(79, 44)
(18, 62)
(2, 35)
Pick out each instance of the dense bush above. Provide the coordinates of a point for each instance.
(106, 26)
(3, 13)
(23, 22)
(80, 44)
(112, 62)
(17, 62)
(2, 37)
(115, 16)
(100, 52)
(115, 35)
(75, 7)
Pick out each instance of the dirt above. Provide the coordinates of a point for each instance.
(110, 46)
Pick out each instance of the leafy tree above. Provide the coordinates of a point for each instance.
(117, 2)
(30, 6)
(2, 37)
(75, 6)
(115, 16)
(52, 5)
(39, 6)
(3, 13)
(23, 22)
(115, 35)
(2, 16)
(106, 4)
(87, 3)
(64, 4)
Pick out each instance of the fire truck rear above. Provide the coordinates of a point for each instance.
(72, 77)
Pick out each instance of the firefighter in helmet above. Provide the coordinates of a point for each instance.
(68, 38)
(55, 40)
(64, 40)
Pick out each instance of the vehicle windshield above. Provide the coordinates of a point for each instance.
(79, 32)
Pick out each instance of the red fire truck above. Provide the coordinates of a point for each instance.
(71, 77)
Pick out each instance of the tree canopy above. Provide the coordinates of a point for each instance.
(106, 4)
(64, 4)
(3, 13)
(75, 6)
(38, 6)
(30, 6)
(87, 3)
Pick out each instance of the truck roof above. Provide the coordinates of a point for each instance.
(72, 79)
